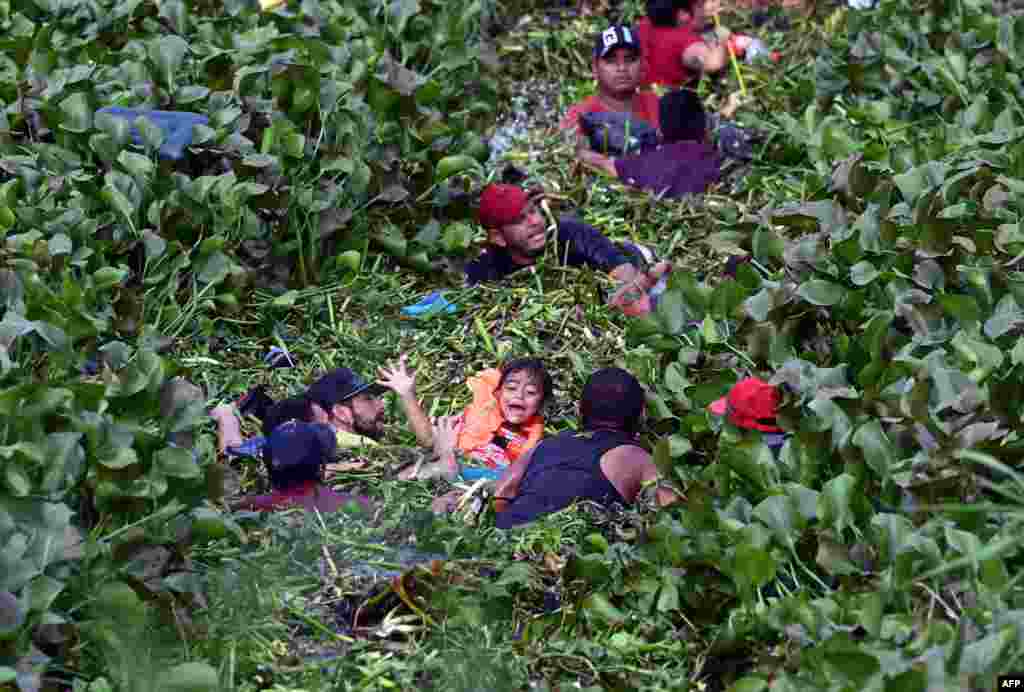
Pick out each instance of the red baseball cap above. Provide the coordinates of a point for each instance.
(501, 205)
(751, 404)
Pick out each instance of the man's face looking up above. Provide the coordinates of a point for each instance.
(618, 73)
(526, 236)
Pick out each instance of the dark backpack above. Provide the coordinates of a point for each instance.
(618, 134)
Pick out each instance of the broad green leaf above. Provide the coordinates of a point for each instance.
(60, 244)
(863, 273)
(117, 199)
(285, 300)
(118, 458)
(750, 683)
(42, 591)
(753, 567)
(176, 463)
(136, 164)
(983, 656)
(662, 457)
(668, 598)
(818, 292)
(16, 479)
(154, 244)
(759, 305)
(1007, 316)
(167, 54)
(835, 503)
(108, 277)
(191, 94)
(600, 607)
(453, 165)
(876, 447)
(214, 268)
(671, 313)
(780, 516)
(856, 665)
(77, 113)
(750, 460)
(964, 308)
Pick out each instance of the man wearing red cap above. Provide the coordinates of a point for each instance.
(517, 236)
(753, 404)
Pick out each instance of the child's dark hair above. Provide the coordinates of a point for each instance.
(663, 12)
(534, 369)
(682, 116)
(293, 408)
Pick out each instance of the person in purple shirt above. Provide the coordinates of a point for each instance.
(685, 163)
(517, 235)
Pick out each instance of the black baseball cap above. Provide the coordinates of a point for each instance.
(615, 37)
(339, 386)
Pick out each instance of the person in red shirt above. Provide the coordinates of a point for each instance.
(618, 69)
(674, 52)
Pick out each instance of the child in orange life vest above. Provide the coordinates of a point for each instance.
(502, 422)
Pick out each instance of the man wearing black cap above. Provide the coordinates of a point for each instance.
(602, 462)
(350, 405)
(342, 399)
(618, 69)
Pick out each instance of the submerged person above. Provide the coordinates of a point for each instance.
(296, 454)
(503, 421)
(684, 163)
(753, 404)
(602, 463)
(350, 405)
(517, 236)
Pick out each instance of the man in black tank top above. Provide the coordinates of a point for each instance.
(601, 463)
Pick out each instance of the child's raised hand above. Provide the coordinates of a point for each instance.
(398, 379)
(446, 434)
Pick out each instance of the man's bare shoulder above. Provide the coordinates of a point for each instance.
(627, 454)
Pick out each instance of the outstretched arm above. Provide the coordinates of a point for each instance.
(704, 57)
(403, 383)
(229, 431)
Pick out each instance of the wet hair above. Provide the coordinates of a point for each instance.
(612, 398)
(293, 408)
(663, 12)
(682, 116)
(534, 369)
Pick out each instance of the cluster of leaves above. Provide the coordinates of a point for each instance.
(318, 114)
(878, 547)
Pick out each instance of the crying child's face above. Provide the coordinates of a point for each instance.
(520, 397)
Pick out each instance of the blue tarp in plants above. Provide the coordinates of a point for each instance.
(176, 125)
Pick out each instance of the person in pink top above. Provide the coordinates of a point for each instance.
(618, 69)
(674, 52)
